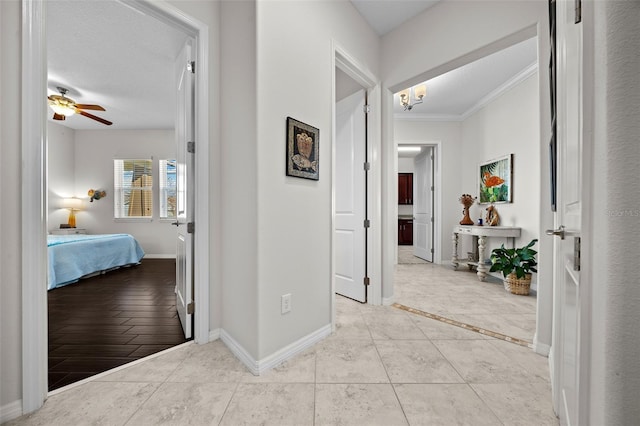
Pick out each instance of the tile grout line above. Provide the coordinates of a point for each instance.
(465, 326)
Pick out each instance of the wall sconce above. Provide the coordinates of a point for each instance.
(73, 204)
(96, 194)
(419, 92)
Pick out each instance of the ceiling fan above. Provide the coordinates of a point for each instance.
(63, 107)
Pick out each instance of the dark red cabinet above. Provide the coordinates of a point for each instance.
(405, 232)
(405, 188)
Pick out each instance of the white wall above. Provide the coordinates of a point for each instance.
(295, 79)
(239, 175)
(508, 125)
(611, 215)
(345, 85)
(95, 151)
(61, 171)
(449, 134)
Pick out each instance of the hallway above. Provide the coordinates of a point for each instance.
(382, 366)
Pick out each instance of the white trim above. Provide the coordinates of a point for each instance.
(503, 88)
(10, 411)
(240, 352)
(363, 76)
(34, 256)
(34, 203)
(293, 349)
(416, 116)
(387, 301)
(98, 376)
(278, 357)
(499, 91)
(541, 348)
(437, 222)
(159, 256)
(214, 334)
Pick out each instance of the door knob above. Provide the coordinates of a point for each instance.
(556, 232)
(176, 223)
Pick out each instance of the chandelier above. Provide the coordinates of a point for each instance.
(418, 92)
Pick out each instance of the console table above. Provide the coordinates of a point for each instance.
(482, 232)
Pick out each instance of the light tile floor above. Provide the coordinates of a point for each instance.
(382, 366)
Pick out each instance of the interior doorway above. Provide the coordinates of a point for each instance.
(34, 184)
(417, 203)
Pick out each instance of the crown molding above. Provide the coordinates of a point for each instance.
(508, 85)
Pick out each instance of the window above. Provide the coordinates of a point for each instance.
(168, 189)
(133, 187)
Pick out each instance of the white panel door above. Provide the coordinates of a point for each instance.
(184, 131)
(349, 237)
(567, 322)
(423, 205)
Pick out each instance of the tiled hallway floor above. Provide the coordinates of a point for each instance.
(382, 366)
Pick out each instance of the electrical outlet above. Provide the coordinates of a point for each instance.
(285, 304)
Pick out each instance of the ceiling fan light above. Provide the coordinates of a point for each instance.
(62, 109)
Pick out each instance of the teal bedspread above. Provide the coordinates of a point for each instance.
(74, 256)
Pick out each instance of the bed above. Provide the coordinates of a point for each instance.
(72, 257)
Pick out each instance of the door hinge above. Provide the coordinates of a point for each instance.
(431, 251)
(191, 307)
(191, 147)
(367, 166)
(431, 220)
(578, 11)
(433, 188)
(191, 66)
(366, 109)
(576, 253)
(367, 223)
(367, 281)
(191, 227)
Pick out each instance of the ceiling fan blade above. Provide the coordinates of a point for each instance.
(93, 117)
(90, 107)
(59, 116)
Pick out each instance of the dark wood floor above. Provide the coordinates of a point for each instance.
(102, 322)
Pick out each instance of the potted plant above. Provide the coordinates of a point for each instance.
(516, 265)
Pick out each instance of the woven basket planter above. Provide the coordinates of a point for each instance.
(517, 285)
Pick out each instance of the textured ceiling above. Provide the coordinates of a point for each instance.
(109, 54)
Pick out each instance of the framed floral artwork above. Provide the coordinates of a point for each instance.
(496, 181)
(302, 150)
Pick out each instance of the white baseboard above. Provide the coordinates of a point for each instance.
(10, 411)
(214, 334)
(240, 352)
(387, 301)
(289, 351)
(159, 256)
(540, 348)
(293, 349)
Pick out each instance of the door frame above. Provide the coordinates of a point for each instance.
(34, 186)
(349, 65)
(437, 195)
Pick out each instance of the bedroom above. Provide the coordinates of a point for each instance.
(82, 154)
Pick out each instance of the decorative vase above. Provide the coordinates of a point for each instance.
(467, 201)
(466, 220)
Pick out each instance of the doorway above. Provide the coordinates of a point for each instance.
(35, 185)
(416, 203)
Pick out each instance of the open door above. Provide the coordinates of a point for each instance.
(350, 190)
(568, 317)
(184, 131)
(423, 205)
